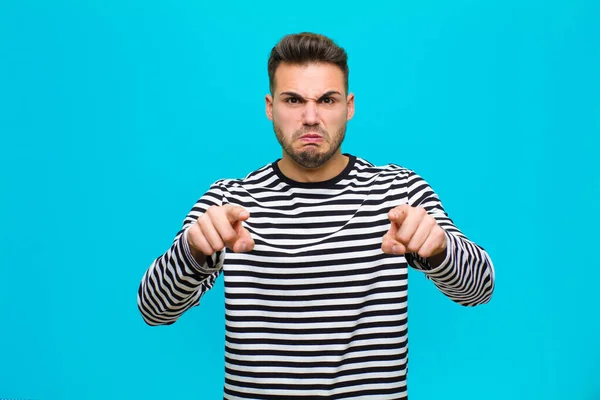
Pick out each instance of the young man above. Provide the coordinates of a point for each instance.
(314, 249)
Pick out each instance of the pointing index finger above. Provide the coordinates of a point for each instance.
(236, 213)
(398, 214)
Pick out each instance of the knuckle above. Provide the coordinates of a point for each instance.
(217, 245)
(218, 241)
(442, 234)
(194, 232)
(228, 237)
(202, 221)
(190, 236)
(402, 238)
(212, 211)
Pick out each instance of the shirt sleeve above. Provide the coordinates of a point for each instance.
(175, 281)
(467, 274)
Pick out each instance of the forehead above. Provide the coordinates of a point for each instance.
(309, 79)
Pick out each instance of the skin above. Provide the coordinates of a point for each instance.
(309, 109)
(412, 230)
(310, 99)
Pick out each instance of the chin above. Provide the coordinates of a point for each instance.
(311, 159)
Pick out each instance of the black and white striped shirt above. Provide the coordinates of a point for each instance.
(316, 310)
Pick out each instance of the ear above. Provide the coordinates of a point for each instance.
(269, 106)
(350, 106)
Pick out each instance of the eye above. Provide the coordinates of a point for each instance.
(292, 100)
(328, 100)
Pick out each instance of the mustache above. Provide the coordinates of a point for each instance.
(310, 129)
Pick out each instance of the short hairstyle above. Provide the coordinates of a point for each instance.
(304, 48)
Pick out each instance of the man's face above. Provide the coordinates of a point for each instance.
(309, 109)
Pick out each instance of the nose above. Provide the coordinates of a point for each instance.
(311, 114)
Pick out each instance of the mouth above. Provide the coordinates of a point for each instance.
(311, 138)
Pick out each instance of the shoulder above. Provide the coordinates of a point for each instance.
(258, 177)
(391, 170)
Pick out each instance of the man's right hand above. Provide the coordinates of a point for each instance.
(220, 227)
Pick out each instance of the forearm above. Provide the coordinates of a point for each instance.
(465, 275)
(175, 282)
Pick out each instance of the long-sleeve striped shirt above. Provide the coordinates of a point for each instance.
(316, 309)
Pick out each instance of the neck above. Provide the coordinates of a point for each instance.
(332, 168)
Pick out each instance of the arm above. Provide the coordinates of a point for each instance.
(177, 280)
(464, 272)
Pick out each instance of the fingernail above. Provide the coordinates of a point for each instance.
(393, 215)
(394, 249)
(243, 246)
(243, 214)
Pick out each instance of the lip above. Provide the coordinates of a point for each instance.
(311, 138)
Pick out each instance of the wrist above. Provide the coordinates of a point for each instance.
(437, 259)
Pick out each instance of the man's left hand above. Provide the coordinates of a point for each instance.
(412, 230)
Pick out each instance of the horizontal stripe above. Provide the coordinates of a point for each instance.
(316, 309)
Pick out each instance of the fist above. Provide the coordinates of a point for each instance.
(220, 227)
(412, 230)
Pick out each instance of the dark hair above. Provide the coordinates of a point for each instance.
(303, 48)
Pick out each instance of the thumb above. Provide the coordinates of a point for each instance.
(244, 241)
(236, 213)
(389, 244)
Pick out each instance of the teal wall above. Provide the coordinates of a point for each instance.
(115, 116)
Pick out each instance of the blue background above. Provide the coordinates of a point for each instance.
(115, 116)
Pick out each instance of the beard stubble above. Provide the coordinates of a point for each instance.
(310, 156)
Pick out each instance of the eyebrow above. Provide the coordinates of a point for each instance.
(326, 94)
